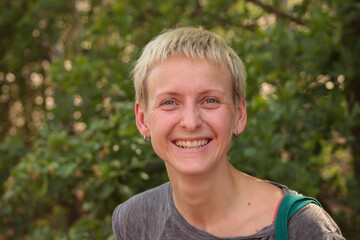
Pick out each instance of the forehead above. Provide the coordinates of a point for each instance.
(183, 73)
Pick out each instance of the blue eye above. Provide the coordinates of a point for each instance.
(210, 100)
(169, 102)
(168, 105)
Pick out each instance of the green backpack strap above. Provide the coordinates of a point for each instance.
(288, 206)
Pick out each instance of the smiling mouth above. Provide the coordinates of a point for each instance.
(192, 144)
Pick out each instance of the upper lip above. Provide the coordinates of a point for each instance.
(191, 139)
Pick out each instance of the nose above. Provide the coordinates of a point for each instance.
(191, 118)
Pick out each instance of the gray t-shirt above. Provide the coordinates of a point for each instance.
(152, 215)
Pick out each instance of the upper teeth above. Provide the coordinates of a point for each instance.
(191, 144)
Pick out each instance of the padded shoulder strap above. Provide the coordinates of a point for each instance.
(288, 206)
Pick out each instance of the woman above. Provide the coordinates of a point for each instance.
(190, 101)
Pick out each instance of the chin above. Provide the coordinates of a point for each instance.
(187, 167)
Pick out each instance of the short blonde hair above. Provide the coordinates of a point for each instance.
(193, 43)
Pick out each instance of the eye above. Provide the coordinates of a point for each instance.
(168, 102)
(210, 100)
(168, 105)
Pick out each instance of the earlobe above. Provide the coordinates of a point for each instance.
(140, 120)
(241, 117)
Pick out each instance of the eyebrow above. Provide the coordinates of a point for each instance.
(173, 93)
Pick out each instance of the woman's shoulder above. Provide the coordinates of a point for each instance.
(313, 222)
(141, 210)
(145, 201)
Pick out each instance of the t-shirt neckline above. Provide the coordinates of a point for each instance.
(265, 231)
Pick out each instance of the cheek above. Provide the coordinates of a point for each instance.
(223, 118)
(160, 123)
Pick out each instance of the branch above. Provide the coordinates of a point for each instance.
(224, 21)
(276, 11)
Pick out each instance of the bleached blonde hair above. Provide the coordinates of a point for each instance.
(193, 43)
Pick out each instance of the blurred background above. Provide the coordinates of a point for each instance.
(69, 148)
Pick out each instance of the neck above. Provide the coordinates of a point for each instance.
(202, 199)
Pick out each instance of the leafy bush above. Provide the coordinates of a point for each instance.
(66, 67)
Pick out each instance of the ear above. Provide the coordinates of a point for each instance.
(241, 117)
(140, 120)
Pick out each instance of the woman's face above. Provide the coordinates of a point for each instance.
(190, 114)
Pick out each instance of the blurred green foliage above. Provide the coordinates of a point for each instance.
(69, 148)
